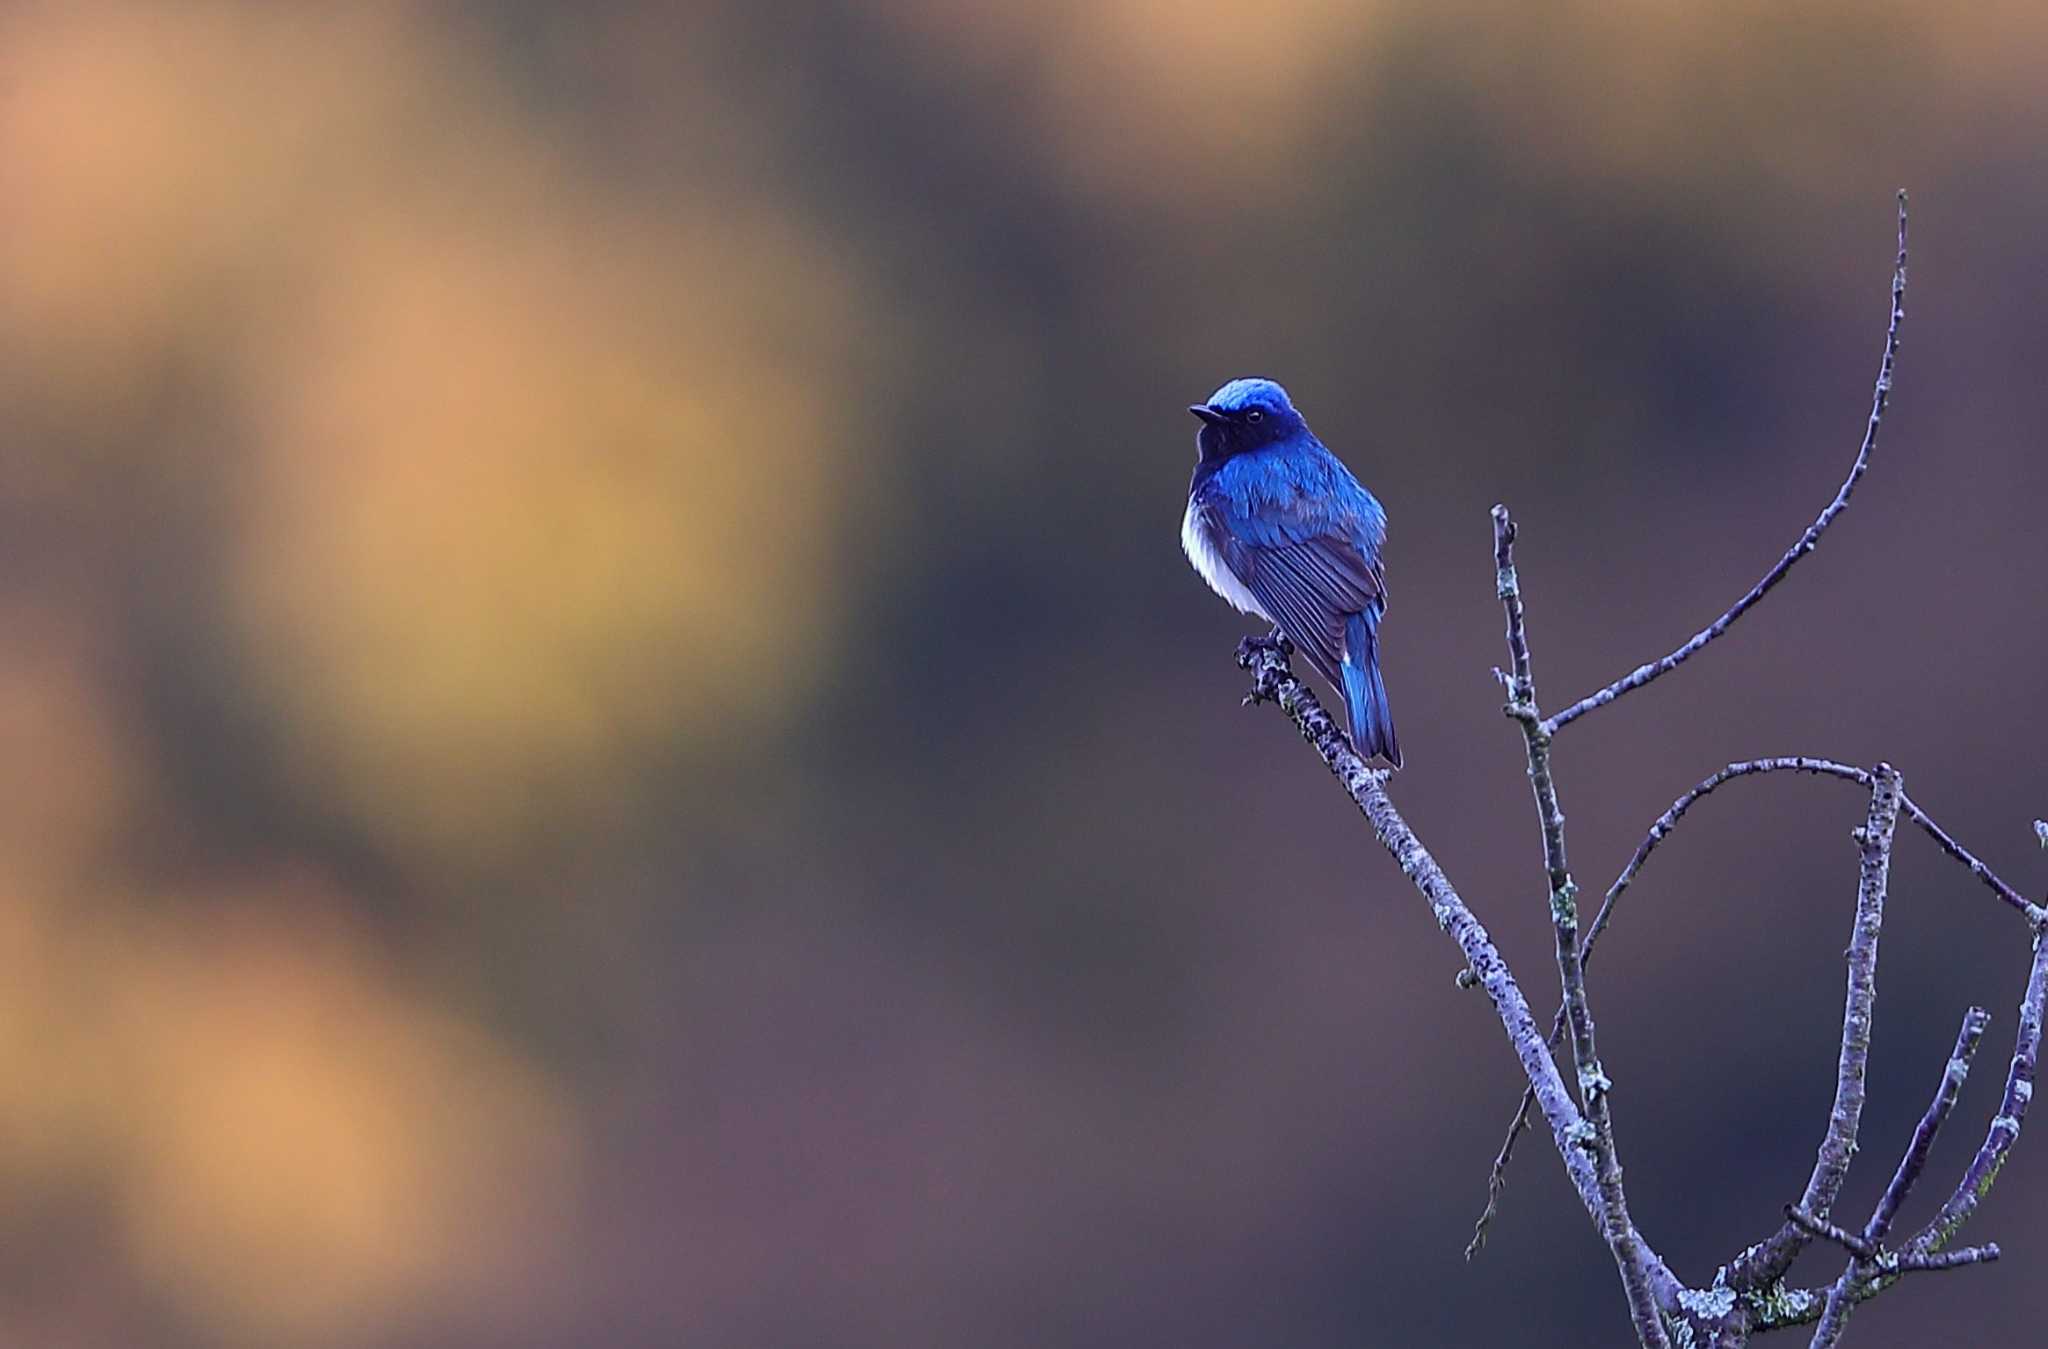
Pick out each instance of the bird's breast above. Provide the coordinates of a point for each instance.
(1196, 539)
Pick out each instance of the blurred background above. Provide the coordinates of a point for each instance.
(604, 736)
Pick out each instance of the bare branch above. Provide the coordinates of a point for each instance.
(1785, 1307)
(1594, 1083)
(1769, 1261)
(1870, 1272)
(1273, 681)
(1660, 829)
(1955, 1259)
(1868, 1263)
(1914, 1162)
(1645, 673)
(1497, 1178)
(2034, 913)
(1815, 1226)
(1801, 763)
(2012, 1112)
(1781, 1308)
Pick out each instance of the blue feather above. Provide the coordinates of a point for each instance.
(1365, 694)
(1240, 394)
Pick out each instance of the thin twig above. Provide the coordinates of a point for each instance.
(1273, 681)
(1871, 1270)
(2012, 1112)
(1497, 1177)
(1643, 674)
(1790, 1307)
(1867, 1263)
(2034, 913)
(1914, 1162)
(1594, 1083)
(1816, 1226)
(1801, 763)
(1955, 1259)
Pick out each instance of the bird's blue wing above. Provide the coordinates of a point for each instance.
(1304, 538)
(1311, 588)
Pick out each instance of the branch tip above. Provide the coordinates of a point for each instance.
(1806, 542)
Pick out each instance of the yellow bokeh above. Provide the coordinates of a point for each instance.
(526, 471)
(1152, 99)
(304, 1141)
(509, 527)
(291, 1144)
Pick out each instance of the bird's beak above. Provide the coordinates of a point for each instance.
(1206, 413)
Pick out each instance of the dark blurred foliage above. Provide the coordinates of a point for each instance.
(607, 740)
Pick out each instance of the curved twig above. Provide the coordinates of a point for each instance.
(1643, 674)
(2012, 1112)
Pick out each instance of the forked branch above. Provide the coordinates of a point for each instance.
(1595, 1085)
(1869, 1259)
(1661, 829)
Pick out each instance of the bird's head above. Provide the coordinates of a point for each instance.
(1244, 415)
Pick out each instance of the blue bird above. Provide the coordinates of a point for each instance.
(1278, 526)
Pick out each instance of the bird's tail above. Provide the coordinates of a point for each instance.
(1365, 695)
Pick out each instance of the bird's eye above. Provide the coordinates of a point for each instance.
(1255, 416)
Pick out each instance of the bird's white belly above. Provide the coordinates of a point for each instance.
(1194, 538)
